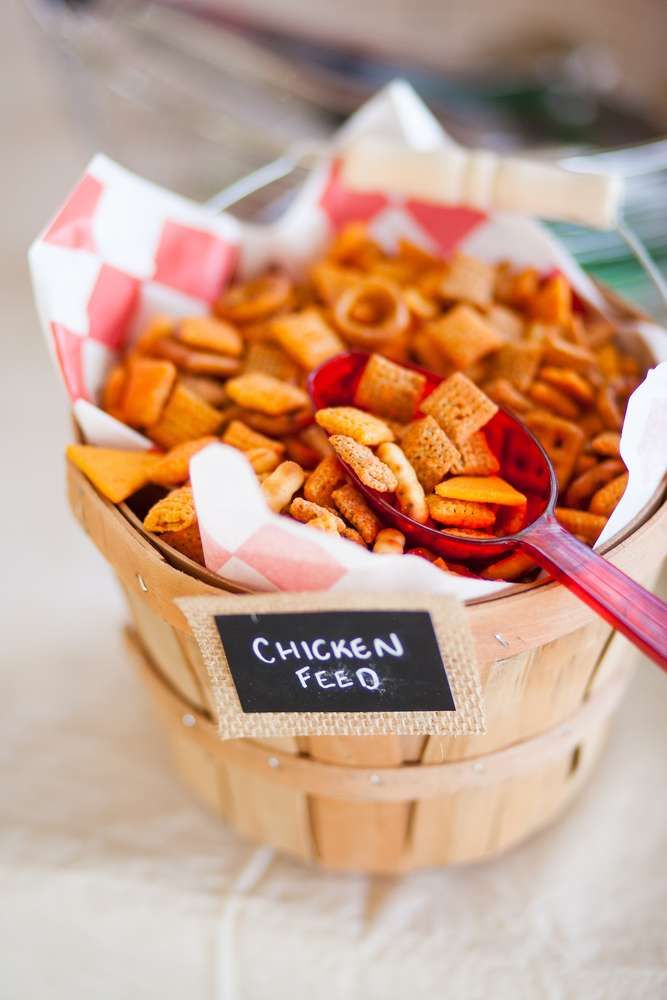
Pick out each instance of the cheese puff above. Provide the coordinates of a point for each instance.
(280, 486)
(409, 492)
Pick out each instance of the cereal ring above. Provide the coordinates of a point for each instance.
(371, 312)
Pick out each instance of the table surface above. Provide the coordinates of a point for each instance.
(115, 884)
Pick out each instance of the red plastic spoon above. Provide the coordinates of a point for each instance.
(635, 612)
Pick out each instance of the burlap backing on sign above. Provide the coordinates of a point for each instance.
(454, 641)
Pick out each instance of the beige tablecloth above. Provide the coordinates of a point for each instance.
(116, 885)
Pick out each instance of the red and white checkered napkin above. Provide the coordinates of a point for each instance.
(122, 249)
(248, 544)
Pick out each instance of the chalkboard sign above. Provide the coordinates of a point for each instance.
(336, 661)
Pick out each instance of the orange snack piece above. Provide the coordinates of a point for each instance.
(553, 302)
(116, 474)
(173, 469)
(211, 390)
(463, 336)
(510, 568)
(502, 392)
(370, 470)
(607, 443)
(305, 510)
(159, 327)
(330, 281)
(505, 320)
(582, 523)
(206, 333)
(256, 299)
(112, 393)
(563, 354)
(553, 399)
(325, 478)
(185, 417)
(262, 459)
(604, 501)
(459, 407)
(354, 509)
(389, 390)
(460, 513)
(147, 388)
(518, 363)
(429, 451)
(363, 427)
(584, 486)
(467, 278)
(175, 512)
(476, 458)
(482, 489)
(307, 338)
(266, 394)
(371, 312)
(281, 426)
(608, 408)
(270, 359)
(239, 435)
(561, 439)
(571, 383)
(187, 541)
(196, 362)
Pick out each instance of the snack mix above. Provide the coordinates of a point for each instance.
(497, 335)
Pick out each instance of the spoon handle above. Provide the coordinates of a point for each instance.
(634, 611)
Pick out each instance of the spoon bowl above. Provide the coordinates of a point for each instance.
(524, 464)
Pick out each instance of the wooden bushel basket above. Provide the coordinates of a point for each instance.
(551, 676)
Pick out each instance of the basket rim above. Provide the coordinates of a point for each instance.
(510, 623)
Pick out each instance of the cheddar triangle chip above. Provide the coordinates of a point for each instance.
(116, 474)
